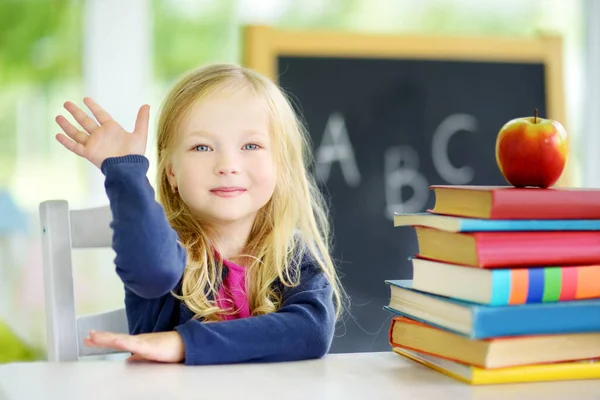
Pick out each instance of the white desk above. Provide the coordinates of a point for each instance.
(371, 376)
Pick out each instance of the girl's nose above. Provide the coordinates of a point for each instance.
(227, 171)
(226, 166)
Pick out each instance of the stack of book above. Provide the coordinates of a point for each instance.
(505, 287)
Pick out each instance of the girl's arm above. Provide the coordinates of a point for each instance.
(149, 260)
(301, 329)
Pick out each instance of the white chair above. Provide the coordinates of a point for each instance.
(62, 231)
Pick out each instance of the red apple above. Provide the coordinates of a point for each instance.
(532, 151)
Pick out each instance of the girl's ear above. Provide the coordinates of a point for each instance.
(171, 175)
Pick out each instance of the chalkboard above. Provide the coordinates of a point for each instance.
(384, 128)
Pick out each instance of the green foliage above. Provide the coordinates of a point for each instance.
(186, 38)
(12, 348)
(40, 40)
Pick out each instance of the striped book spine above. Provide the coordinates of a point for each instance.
(544, 284)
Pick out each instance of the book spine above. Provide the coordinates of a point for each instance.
(536, 319)
(544, 204)
(488, 225)
(544, 285)
(537, 373)
(533, 249)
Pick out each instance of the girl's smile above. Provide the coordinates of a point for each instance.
(228, 191)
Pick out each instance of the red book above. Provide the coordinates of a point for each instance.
(506, 202)
(510, 249)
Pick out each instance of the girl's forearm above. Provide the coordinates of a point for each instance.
(149, 260)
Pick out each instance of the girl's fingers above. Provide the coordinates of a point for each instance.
(101, 115)
(70, 145)
(135, 358)
(89, 342)
(87, 123)
(129, 343)
(71, 131)
(141, 123)
(103, 338)
(116, 341)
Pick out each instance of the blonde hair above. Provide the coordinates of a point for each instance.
(293, 224)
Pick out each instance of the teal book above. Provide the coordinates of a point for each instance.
(478, 321)
(462, 224)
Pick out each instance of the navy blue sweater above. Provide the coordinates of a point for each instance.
(150, 262)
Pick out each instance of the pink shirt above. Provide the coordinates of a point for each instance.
(232, 293)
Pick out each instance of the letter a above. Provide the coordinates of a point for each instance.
(335, 146)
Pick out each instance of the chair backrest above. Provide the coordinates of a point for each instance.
(62, 231)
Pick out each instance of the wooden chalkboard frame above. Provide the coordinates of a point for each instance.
(262, 45)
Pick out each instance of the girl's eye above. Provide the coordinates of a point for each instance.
(202, 147)
(251, 146)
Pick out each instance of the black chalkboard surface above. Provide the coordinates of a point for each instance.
(383, 130)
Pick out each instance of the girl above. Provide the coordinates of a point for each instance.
(233, 265)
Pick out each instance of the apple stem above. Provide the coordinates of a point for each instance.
(535, 114)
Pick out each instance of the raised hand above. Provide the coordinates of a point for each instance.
(105, 138)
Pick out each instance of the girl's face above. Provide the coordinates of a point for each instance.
(223, 164)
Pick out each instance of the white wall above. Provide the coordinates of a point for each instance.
(591, 119)
(117, 65)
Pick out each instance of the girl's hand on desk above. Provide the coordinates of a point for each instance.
(105, 138)
(160, 346)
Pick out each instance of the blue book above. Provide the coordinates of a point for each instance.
(462, 224)
(479, 321)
